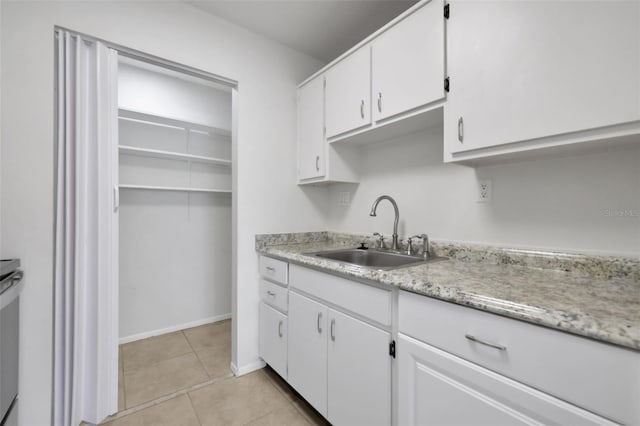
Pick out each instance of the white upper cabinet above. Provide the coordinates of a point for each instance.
(348, 89)
(311, 143)
(540, 74)
(408, 68)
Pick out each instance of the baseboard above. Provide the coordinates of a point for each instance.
(247, 368)
(173, 328)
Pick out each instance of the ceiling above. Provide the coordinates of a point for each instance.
(323, 29)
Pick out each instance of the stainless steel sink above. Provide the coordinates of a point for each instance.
(374, 259)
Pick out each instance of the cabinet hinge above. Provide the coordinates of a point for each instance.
(446, 84)
(392, 349)
(446, 11)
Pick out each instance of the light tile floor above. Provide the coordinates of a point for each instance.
(183, 378)
(161, 365)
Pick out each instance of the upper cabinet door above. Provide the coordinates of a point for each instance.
(408, 69)
(523, 70)
(311, 142)
(348, 92)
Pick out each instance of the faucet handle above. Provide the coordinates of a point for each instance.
(410, 246)
(380, 239)
(425, 244)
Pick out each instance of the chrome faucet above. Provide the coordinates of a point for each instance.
(394, 244)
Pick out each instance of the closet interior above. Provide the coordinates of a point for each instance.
(174, 222)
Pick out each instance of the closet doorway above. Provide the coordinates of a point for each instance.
(175, 231)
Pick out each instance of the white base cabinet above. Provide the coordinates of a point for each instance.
(308, 350)
(339, 364)
(339, 339)
(273, 339)
(359, 372)
(274, 276)
(437, 388)
(458, 354)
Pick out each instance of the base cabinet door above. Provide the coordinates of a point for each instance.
(359, 376)
(437, 388)
(273, 339)
(308, 350)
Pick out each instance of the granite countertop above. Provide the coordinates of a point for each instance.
(593, 296)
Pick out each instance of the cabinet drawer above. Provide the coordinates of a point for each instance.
(602, 378)
(274, 295)
(275, 270)
(434, 385)
(370, 302)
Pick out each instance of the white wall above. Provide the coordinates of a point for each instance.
(267, 200)
(557, 203)
(143, 90)
(175, 260)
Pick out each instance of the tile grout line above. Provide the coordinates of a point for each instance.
(195, 353)
(295, 398)
(193, 407)
(261, 371)
(155, 362)
(165, 398)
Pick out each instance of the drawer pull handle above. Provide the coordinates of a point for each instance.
(318, 322)
(333, 330)
(280, 329)
(484, 342)
(271, 269)
(270, 293)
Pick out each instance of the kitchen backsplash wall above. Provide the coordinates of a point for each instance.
(586, 203)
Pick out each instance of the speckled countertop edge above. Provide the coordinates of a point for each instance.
(592, 296)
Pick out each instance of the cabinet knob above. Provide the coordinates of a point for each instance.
(271, 293)
(317, 163)
(379, 101)
(460, 130)
(318, 322)
(280, 329)
(362, 108)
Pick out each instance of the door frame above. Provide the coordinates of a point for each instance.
(109, 300)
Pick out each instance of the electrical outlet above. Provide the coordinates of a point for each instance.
(484, 190)
(345, 198)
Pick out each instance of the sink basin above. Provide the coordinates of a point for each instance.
(374, 259)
